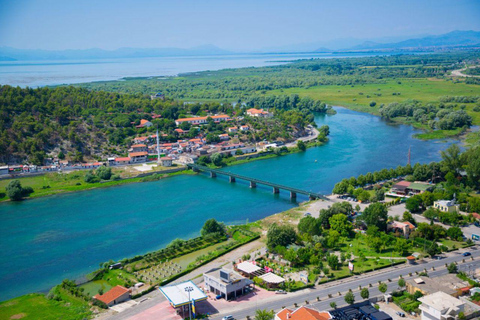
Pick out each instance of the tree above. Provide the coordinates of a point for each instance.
(340, 223)
(309, 225)
(333, 262)
(217, 159)
(452, 268)
(104, 173)
(349, 297)
(280, 236)
(333, 305)
(413, 203)
(365, 294)
(301, 145)
(402, 246)
(451, 159)
(212, 226)
(61, 155)
(407, 216)
(333, 238)
(382, 287)
(264, 315)
(14, 190)
(380, 193)
(401, 283)
(454, 233)
(376, 214)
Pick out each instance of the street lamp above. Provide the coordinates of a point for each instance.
(189, 289)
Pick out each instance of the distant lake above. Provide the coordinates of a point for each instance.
(43, 73)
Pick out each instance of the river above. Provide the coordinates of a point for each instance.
(49, 239)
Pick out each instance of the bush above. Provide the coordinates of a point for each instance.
(91, 178)
(104, 173)
(16, 192)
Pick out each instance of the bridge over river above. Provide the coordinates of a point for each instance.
(253, 182)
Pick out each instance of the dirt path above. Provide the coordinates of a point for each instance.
(459, 73)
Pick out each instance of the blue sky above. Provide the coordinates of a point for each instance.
(229, 24)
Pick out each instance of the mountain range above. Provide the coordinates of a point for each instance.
(451, 40)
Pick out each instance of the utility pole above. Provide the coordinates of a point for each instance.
(158, 149)
(189, 289)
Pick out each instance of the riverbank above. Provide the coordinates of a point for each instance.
(54, 183)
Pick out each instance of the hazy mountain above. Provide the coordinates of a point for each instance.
(451, 39)
(10, 54)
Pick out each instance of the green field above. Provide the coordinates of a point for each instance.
(358, 97)
(38, 307)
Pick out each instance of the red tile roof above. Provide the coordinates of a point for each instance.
(476, 215)
(303, 313)
(138, 154)
(139, 146)
(410, 225)
(122, 159)
(114, 293)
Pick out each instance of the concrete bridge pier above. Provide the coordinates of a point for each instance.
(276, 190)
(212, 174)
(293, 195)
(231, 179)
(253, 184)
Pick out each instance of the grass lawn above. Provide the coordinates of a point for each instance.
(451, 244)
(361, 245)
(38, 307)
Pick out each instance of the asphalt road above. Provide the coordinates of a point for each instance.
(342, 286)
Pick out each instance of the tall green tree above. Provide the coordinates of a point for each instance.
(280, 236)
(364, 293)
(451, 159)
(376, 214)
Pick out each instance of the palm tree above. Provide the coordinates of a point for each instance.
(264, 315)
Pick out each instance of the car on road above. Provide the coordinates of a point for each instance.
(281, 292)
(228, 318)
(401, 314)
(466, 254)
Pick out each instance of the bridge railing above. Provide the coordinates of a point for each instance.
(270, 184)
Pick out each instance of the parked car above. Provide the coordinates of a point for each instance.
(228, 318)
(281, 292)
(218, 297)
(401, 314)
(466, 254)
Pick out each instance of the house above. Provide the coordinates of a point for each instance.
(138, 147)
(405, 227)
(419, 187)
(158, 95)
(224, 137)
(122, 160)
(144, 124)
(446, 206)
(260, 113)
(302, 313)
(448, 284)
(233, 129)
(244, 128)
(441, 306)
(400, 188)
(180, 132)
(140, 140)
(226, 283)
(166, 161)
(114, 296)
(138, 156)
(203, 120)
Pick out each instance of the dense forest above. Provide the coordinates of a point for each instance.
(240, 84)
(78, 123)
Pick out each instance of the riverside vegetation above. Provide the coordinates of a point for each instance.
(420, 83)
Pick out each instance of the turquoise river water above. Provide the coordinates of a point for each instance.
(43, 241)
